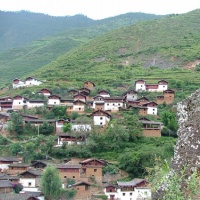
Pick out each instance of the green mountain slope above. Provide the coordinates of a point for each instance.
(20, 61)
(113, 58)
(21, 28)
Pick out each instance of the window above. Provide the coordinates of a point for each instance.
(54, 102)
(95, 170)
(113, 104)
(65, 176)
(73, 176)
(123, 194)
(118, 104)
(29, 183)
(153, 109)
(101, 118)
(131, 194)
(101, 123)
(19, 102)
(107, 104)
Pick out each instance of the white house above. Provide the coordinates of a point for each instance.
(98, 103)
(101, 118)
(69, 139)
(53, 100)
(30, 179)
(140, 85)
(113, 103)
(35, 103)
(19, 102)
(151, 108)
(6, 161)
(103, 93)
(162, 85)
(130, 95)
(131, 190)
(45, 92)
(30, 81)
(17, 83)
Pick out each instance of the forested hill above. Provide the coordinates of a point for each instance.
(20, 61)
(168, 42)
(20, 28)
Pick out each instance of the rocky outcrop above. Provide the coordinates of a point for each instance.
(187, 149)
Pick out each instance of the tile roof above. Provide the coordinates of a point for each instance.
(11, 159)
(13, 196)
(132, 183)
(5, 184)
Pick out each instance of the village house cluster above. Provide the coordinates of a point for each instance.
(82, 172)
(29, 82)
(101, 108)
(102, 105)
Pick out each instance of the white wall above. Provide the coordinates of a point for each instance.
(100, 120)
(76, 108)
(131, 97)
(113, 106)
(25, 182)
(33, 105)
(20, 84)
(32, 82)
(161, 88)
(81, 127)
(53, 101)
(152, 111)
(140, 86)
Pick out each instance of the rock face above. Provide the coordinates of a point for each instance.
(187, 149)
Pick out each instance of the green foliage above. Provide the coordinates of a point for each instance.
(74, 115)
(46, 128)
(197, 68)
(67, 127)
(51, 183)
(177, 184)
(16, 124)
(110, 169)
(15, 148)
(170, 122)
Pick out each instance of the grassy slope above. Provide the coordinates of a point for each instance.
(20, 61)
(167, 42)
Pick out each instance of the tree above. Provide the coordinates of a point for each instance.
(46, 128)
(51, 183)
(15, 148)
(16, 124)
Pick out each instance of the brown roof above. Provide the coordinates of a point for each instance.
(101, 111)
(8, 177)
(91, 159)
(10, 159)
(19, 165)
(81, 183)
(132, 183)
(6, 184)
(14, 196)
(68, 166)
(35, 172)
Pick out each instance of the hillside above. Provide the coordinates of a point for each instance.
(119, 56)
(22, 60)
(20, 28)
